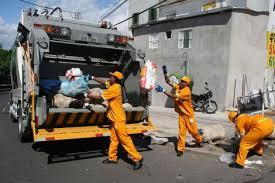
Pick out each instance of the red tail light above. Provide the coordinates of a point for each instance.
(121, 39)
(55, 31)
(37, 25)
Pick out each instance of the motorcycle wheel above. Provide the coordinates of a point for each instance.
(210, 107)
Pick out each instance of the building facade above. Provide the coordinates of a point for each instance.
(213, 41)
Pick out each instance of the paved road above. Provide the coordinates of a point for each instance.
(80, 161)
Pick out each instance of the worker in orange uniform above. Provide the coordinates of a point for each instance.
(252, 129)
(117, 117)
(183, 106)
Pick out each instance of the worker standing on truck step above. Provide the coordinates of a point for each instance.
(252, 129)
(183, 106)
(117, 117)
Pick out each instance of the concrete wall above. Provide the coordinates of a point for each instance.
(223, 47)
(195, 6)
(247, 53)
(189, 6)
(236, 3)
(257, 5)
(207, 59)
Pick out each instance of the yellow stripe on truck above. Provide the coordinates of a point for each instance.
(49, 119)
(71, 118)
(138, 115)
(84, 132)
(60, 119)
(100, 118)
(128, 116)
(93, 118)
(82, 118)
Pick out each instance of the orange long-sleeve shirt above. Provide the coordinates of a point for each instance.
(245, 123)
(183, 102)
(115, 111)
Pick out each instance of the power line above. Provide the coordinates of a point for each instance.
(112, 10)
(149, 9)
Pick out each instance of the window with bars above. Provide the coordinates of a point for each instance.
(168, 35)
(185, 39)
(135, 19)
(152, 14)
(153, 41)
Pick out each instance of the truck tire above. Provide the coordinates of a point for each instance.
(24, 134)
(13, 119)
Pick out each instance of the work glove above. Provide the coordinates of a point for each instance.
(160, 89)
(164, 69)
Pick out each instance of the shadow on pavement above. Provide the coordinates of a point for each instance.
(72, 150)
(174, 140)
(229, 146)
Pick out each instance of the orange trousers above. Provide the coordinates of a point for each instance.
(190, 124)
(119, 135)
(252, 140)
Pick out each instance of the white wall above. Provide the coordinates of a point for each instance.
(247, 52)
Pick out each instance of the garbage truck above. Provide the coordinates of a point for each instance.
(46, 47)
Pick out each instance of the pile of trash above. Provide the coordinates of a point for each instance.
(74, 92)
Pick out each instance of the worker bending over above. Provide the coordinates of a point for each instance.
(117, 117)
(252, 129)
(183, 106)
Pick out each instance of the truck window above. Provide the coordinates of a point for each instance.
(13, 69)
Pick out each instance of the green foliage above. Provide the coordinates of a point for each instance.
(5, 57)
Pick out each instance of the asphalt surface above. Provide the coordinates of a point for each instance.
(80, 161)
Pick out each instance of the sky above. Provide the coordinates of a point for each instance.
(10, 11)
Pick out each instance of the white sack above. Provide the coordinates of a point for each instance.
(213, 132)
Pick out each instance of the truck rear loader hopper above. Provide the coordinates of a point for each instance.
(45, 48)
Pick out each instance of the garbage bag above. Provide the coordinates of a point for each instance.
(148, 76)
(76, 87)
(94, 92)
(61, 101)
(93, 96)
(73, 74)
(213, 132)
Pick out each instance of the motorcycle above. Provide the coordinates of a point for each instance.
(203, 102)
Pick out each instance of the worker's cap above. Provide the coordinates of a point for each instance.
(117, 74)
(232, 115)
(186, 79)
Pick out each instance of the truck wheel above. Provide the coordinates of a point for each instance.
(13, 119)
(23, 132)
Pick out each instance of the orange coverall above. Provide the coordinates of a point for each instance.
(183, 106)
(117, 116)
(255, 129)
